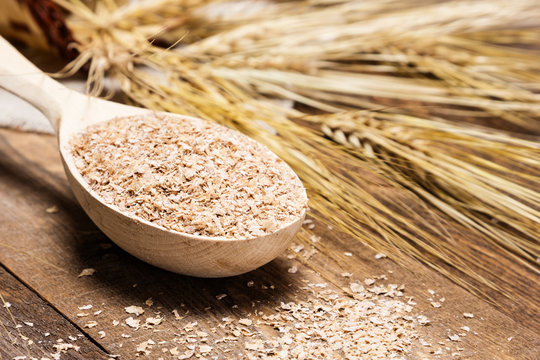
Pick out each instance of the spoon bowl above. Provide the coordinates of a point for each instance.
(70, 113)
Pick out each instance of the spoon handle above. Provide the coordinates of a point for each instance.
(22, 78)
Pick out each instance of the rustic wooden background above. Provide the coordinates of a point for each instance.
(42, 252)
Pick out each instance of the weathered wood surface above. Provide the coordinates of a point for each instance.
(47, 251)
(31, 327)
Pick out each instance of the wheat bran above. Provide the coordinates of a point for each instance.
(189, 175)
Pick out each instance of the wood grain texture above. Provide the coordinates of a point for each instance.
(37, 326)
(49, 250)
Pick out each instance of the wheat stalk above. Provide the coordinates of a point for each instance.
(233, 71)
(497, 198)
(310, 55)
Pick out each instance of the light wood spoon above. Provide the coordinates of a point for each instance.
(70, 112)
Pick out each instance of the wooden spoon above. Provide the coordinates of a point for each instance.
(70, 112)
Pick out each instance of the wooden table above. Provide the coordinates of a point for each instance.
(42, 252)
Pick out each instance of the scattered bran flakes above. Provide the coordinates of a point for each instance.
(369, 281)
(189, 176)
(90, 324)
(328, 326)
(293, 269)
(204, 349)
(51, 210)
(152, 321)
(87, 272)
(135, 310)
(221, 296)
(376, 323)
(145, 346)
(246, 322)
(63, 347)
(131, 322)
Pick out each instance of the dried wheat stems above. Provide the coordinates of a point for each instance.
(407, 177)
(485, 180)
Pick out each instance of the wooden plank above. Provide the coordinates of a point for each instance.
(30, 327)
(49, 250)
